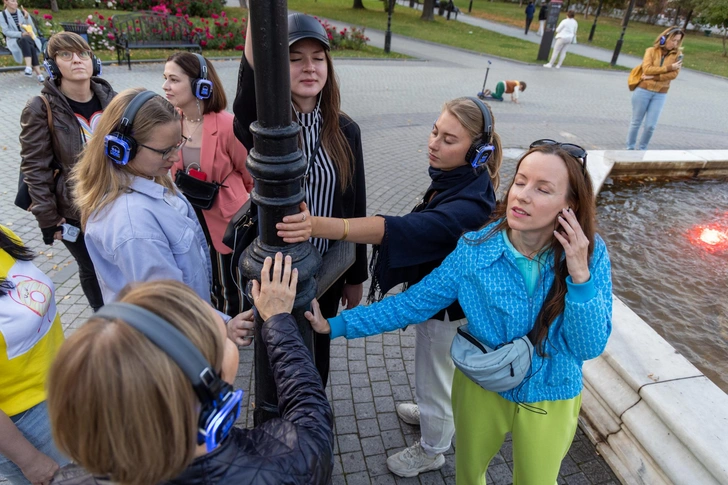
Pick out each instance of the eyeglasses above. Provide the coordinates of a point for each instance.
(68, 55)
(574, 150)
(166, 153)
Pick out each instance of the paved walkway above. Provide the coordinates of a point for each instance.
(395, 104)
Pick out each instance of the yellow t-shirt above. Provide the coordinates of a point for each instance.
(30, 333)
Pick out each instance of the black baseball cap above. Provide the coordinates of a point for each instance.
(302, 26)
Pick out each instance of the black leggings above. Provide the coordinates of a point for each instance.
(29, 49)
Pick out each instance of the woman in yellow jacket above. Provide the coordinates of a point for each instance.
(660, 65)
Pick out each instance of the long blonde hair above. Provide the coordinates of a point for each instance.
(669, 33)
(118, 404)
(96, 181)
(470, 116)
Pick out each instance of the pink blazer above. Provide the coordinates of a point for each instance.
(222, 155)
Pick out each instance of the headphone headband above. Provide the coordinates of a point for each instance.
(203, 65)
(487, 120)
(127, 119)
(672, 31)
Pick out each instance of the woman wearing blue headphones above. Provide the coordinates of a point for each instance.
(143, 393)
(464, 156)
(211, 153)
(139, 227)
(661, 64)
(76, 97)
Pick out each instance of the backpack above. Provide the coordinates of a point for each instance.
(635, 77)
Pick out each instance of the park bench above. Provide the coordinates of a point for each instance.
(4, 51)
(443, 6)
(151, 30)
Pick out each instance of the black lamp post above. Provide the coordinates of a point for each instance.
(596, 17)
(625, 21)
(388, 34)
(278, 167)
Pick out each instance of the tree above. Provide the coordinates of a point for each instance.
(358, 4)
(428, 10)
(54, 5)
(714, 13)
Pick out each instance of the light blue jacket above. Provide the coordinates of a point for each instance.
(485, 280)
(141, 237)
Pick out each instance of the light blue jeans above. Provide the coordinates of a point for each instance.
(36, 427)
(647, 106)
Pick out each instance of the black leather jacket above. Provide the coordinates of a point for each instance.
(294, 449)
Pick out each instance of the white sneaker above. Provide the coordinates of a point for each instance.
(28, 72)
(41, 78)
(412, 461)
(558, 67)
(548, 65)
(409, 412)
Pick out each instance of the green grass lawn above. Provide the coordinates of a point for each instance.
(701, 53)
(406, 21)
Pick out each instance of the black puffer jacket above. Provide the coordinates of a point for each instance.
(295, 449)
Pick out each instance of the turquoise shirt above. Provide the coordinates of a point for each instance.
(486, 280)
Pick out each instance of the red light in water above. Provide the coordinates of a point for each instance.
(712, 238)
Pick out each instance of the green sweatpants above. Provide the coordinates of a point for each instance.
(500, 88)
(482, 419)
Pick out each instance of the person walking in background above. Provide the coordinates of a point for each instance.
(539, 267)
(660, 65)
(21, 39)
(465, 156)
(542, 14)
(530, 10)
(213, 153)
(334, 185)
(565, 36)
(77, 97)
(30, 336)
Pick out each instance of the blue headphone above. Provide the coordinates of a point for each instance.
(119, 145)
(482, 149)
(202, 87)
(663, 38)
(54, 73)
(220, 402)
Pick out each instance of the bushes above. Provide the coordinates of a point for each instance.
(353, 39)
(193, 8)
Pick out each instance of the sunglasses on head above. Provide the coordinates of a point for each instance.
(574, 150)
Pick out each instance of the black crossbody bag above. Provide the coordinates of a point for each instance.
(201, 194)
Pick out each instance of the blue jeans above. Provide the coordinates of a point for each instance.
(647, 106)
(36, 427)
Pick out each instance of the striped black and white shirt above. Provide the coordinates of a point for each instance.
(322, 179)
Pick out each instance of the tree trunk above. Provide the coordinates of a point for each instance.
(687, 19)
(358, 4)
(586, 10)
(725, 34)
(54, 5)
(677, 14)
(428, 10)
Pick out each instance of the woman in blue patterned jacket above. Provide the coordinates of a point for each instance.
(542, 235)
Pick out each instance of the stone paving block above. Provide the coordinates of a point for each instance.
(394, 365)
(345, 425)
(359, 380)
(500, 474)
(357, 367)
(353, 462)
(356, 354)
(432, 478)
(361, 478)
(378, 373)
(363, 394)
(382, 388)
(374, 360)
(348, 443)
(388, 421)
(392, 351)
(384, 404)
(402, 393)
(338, 377)
(365, 410)
(577, 479)
(392, 439)
(384, 480)
(341, 391)
(377, 465)
(344, 407)
(596, 471)
(338, 363)
(372, 445)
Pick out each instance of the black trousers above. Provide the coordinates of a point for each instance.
(86, 272)
(29, 49)
(329, 303)
(528, 24)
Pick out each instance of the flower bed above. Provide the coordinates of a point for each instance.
(218, 31)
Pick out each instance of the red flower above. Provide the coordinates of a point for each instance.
(138, 29)
(111, 36)
(217, 24)
(203, 43)
(215, 16)
(239, 47)
(235, 20)
(223, 14)
(101, 17)
(35, 12)
(47, 16)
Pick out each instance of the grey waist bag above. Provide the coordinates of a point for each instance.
(496, 370)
